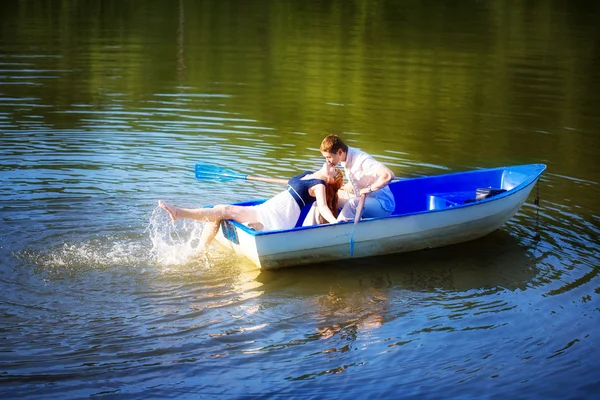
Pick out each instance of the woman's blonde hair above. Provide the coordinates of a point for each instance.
(331, 194)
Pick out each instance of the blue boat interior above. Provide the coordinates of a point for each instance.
(439, 192)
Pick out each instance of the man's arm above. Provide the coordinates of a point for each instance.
(384, 176)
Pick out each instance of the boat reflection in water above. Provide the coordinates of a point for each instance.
(354, 296)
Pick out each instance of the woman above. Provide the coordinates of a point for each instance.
(279, 212)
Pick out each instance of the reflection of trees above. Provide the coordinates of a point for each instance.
(414, 68)
(181, 43)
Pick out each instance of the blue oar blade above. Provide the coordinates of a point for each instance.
(206, 176)
(213, 173)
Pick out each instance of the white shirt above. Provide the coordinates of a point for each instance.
(361, 170)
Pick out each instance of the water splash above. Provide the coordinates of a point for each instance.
(73, 258)
(172, 246)
(174, 243)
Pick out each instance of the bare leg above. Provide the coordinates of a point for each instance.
(212, 228)
(208, 233)
(198, 214)
(348, 210)
(219, 212)
(212, 217)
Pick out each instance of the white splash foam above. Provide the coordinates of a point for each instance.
(174, 243)
(175, 247)
(74, 258)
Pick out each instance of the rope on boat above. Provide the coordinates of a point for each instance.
(537, 235)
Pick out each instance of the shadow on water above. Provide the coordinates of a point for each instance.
(497, 261)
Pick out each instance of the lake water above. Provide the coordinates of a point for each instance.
(105, 107)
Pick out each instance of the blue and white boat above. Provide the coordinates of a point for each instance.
(431, 211)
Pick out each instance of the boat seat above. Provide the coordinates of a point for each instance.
(485, 193)
(439, 201)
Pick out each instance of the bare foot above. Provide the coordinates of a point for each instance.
(171, 209)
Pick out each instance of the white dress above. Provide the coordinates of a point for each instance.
(279, 212)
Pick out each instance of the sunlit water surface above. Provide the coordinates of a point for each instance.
(106, 106)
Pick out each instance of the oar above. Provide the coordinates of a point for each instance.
(359, 209)
(213, 173)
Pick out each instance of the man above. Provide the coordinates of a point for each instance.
(365, 176)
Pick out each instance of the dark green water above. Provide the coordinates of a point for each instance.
(105, 106)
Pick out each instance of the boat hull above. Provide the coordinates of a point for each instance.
(436, 226)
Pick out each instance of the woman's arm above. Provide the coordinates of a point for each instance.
(319, 193)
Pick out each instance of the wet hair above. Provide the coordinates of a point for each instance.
(332, 143)
(331, 194)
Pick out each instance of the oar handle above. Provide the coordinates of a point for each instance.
(268, 180)
(359, 208)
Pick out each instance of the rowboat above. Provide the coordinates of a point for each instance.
(431, 211)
